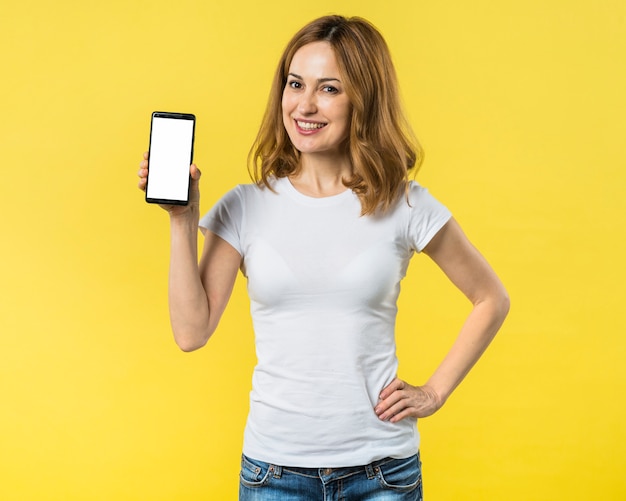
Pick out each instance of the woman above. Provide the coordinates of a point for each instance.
(324, 237)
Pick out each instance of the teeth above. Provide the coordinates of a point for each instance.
(309, 126)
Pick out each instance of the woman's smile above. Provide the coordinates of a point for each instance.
(307, 126)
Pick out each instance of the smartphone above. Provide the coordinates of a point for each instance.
(170, 155)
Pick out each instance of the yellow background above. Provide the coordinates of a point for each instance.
(520, 106)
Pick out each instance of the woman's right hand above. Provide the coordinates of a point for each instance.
(194, 191)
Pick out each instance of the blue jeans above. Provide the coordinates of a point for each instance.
(385, 480)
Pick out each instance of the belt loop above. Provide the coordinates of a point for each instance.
(278, 470)
(370, 470)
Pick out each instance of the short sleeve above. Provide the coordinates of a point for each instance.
(427, 216)
(225, 218)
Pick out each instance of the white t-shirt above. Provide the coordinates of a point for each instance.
(323, 284)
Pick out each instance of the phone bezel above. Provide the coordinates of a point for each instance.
(177, 116)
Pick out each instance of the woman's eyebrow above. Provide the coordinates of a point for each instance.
(319, 80)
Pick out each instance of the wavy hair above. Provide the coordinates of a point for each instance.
(381, 145)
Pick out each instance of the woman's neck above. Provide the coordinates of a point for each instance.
(320, 176)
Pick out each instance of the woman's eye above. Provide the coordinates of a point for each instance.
(330, 89)
(294, 84)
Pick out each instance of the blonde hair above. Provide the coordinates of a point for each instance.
(381, 145)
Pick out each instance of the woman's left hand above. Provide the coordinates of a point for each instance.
(400, 400)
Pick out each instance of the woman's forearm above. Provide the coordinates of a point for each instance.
(188, 305)
(477, 332)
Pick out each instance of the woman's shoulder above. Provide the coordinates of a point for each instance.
(243, 190)
(246, 194)
(418, 194)
(415, 188)
(420, 203)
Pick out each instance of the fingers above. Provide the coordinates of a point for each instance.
(391, 400)
(396, 384)
(143, 172)
(401, 414)
(400, 400)
(143, 165)
(396, 412)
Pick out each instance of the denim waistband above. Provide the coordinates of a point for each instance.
(371, 469)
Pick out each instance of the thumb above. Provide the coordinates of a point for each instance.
(195, 172)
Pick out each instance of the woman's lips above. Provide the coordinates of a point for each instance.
(309, 126)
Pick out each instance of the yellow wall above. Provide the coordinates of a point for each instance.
(520, 106)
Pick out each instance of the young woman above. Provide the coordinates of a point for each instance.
(324, 237)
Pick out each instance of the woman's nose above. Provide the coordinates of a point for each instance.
(307, 103)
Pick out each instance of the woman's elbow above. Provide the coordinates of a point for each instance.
(188, 343)
(503, 302)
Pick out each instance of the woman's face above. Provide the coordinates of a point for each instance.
(316, 109)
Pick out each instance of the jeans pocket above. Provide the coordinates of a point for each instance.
(401, 475)
(254, 473)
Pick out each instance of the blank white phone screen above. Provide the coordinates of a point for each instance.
(170, 156)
